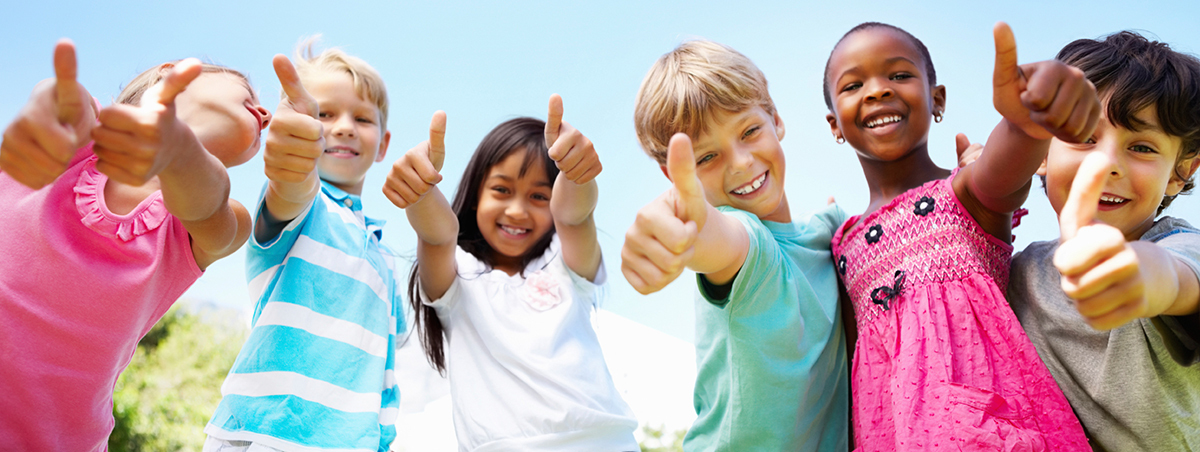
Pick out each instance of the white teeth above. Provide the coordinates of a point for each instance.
(753, 185)
(340, 151)
(1112, 199)
(881, 121)
(514, 231)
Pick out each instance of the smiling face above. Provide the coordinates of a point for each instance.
(1145, 170)
(354, 137)
(225, 116)
(514, 210)
(882, 99)
(740, 163)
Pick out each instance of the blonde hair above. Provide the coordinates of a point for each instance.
(687, 85)
(367, 81)
(132, 93)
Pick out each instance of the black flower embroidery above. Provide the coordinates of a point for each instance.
(883, 295)
(842, 265)
(874, 234)
(923, 206)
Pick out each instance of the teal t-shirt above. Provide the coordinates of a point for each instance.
(771, 357)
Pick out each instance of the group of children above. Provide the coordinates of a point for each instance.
(908, 327)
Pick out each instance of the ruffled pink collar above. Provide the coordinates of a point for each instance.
(89, 201)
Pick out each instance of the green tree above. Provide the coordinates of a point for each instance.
(173, 384)
(658, 440)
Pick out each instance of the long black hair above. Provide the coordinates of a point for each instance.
(520, 134)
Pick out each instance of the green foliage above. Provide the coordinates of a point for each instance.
(657, 439)
(173, 384)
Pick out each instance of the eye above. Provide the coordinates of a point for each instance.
(541, 197)
(1142, 149)
(323, 115)
(364, 120)
(501, 189)
(1090, 140)
(705, 158)
(751, 131)
(901, 76)
(851, 87)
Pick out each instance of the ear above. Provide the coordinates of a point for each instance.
(939, 98)
(833, 125)
(664, 170)
(1185, 168)
(383, 145)
(778, 126)
(1041, 171)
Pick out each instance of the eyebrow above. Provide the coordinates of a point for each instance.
(510, 179)
(888, 61)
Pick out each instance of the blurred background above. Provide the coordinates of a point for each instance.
(486, 62)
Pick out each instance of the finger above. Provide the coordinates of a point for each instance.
(1111, 298)
(1043, 83)
(961, 143)
(831, 201)
(69, 101)
(1006, 71)
(1124, 313)
(177, 80)
(1106, 273)
(681, 168)
(424, 170)
(53, 140)
(1091, 245)
(590, 174)
(297, 97)
(1084, 197)
(24, 160)
(437, 140)
(395, 197)
(553, 119)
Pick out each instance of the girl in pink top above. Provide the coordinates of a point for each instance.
(108, 216)
(940, 361)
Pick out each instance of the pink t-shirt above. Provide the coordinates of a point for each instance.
(79, 286)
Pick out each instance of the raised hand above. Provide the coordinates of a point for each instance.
(296, 138)
(661, 241)
(56, 121)
(967, 151)
(1100, 270)
(1045, 99)
(419, 170)
(135, 143)
(572, 152)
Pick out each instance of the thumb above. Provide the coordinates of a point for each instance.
(1082, 201)
(961, 143)
(554, 119)
(1006, 73)
(68, 100)
(681, 167)
(176, 80)
(295, 96)
(437, 140)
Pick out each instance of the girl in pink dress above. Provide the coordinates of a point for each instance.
(941, 362)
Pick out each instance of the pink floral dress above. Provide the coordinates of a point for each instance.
(941, 362)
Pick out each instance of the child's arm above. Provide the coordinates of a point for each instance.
(1038, 101)
(1113, 281)
(412, 185)
(294, 143)
(136, 143)
(57, 121)
(681, 229)
(575, 192)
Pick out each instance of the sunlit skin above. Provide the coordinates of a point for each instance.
(514, 210)
(224, 113)
(740, 163)
(354, 137)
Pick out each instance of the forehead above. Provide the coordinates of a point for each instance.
(720, 124)
(510, 168)
(876, 44)
(334, 85)
(223, 81)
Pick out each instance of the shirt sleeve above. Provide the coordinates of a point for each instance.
(1181, 333)
(261, 256)
(763, 262)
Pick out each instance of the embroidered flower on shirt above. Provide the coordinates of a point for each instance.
(842, 265)
(874, 234)
(924, 206)
(541, 291)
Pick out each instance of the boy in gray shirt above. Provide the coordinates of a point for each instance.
(1112, 305)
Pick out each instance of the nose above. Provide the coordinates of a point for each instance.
(741, 157)
(1116, 156)
(264, 117)
(343, 126)
(516, 210)
(877, 91)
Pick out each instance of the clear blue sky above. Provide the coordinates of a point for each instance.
(484, 63)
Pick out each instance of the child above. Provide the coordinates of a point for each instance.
(106, 224)
(509, 277)
(1119, 331)
(317, 369)
(940, 360)
(770, 351)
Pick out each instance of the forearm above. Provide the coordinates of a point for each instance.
(285, 201)
(433, 220)
(571, 203)
(720, 248)
(1171, 286)
(1003, 171)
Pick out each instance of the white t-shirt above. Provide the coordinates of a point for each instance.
(525, 367)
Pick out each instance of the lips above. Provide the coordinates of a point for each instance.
(752, 186)
(883, 120)
(1110, 201)
(341, 151)
(514, 231)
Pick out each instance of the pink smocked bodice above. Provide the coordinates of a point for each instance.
(941, 362)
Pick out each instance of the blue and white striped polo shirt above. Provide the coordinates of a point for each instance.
(316, 372)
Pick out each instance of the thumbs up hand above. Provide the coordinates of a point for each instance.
(661, 241)
(136, 143)
(416, 173)
(572, 152)
(57, 120)
(1100, 270)
(1044, 99)
(296, 138)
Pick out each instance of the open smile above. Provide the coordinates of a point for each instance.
(1110, 201)
(341, 152)
(752, 186)
(515, 232)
